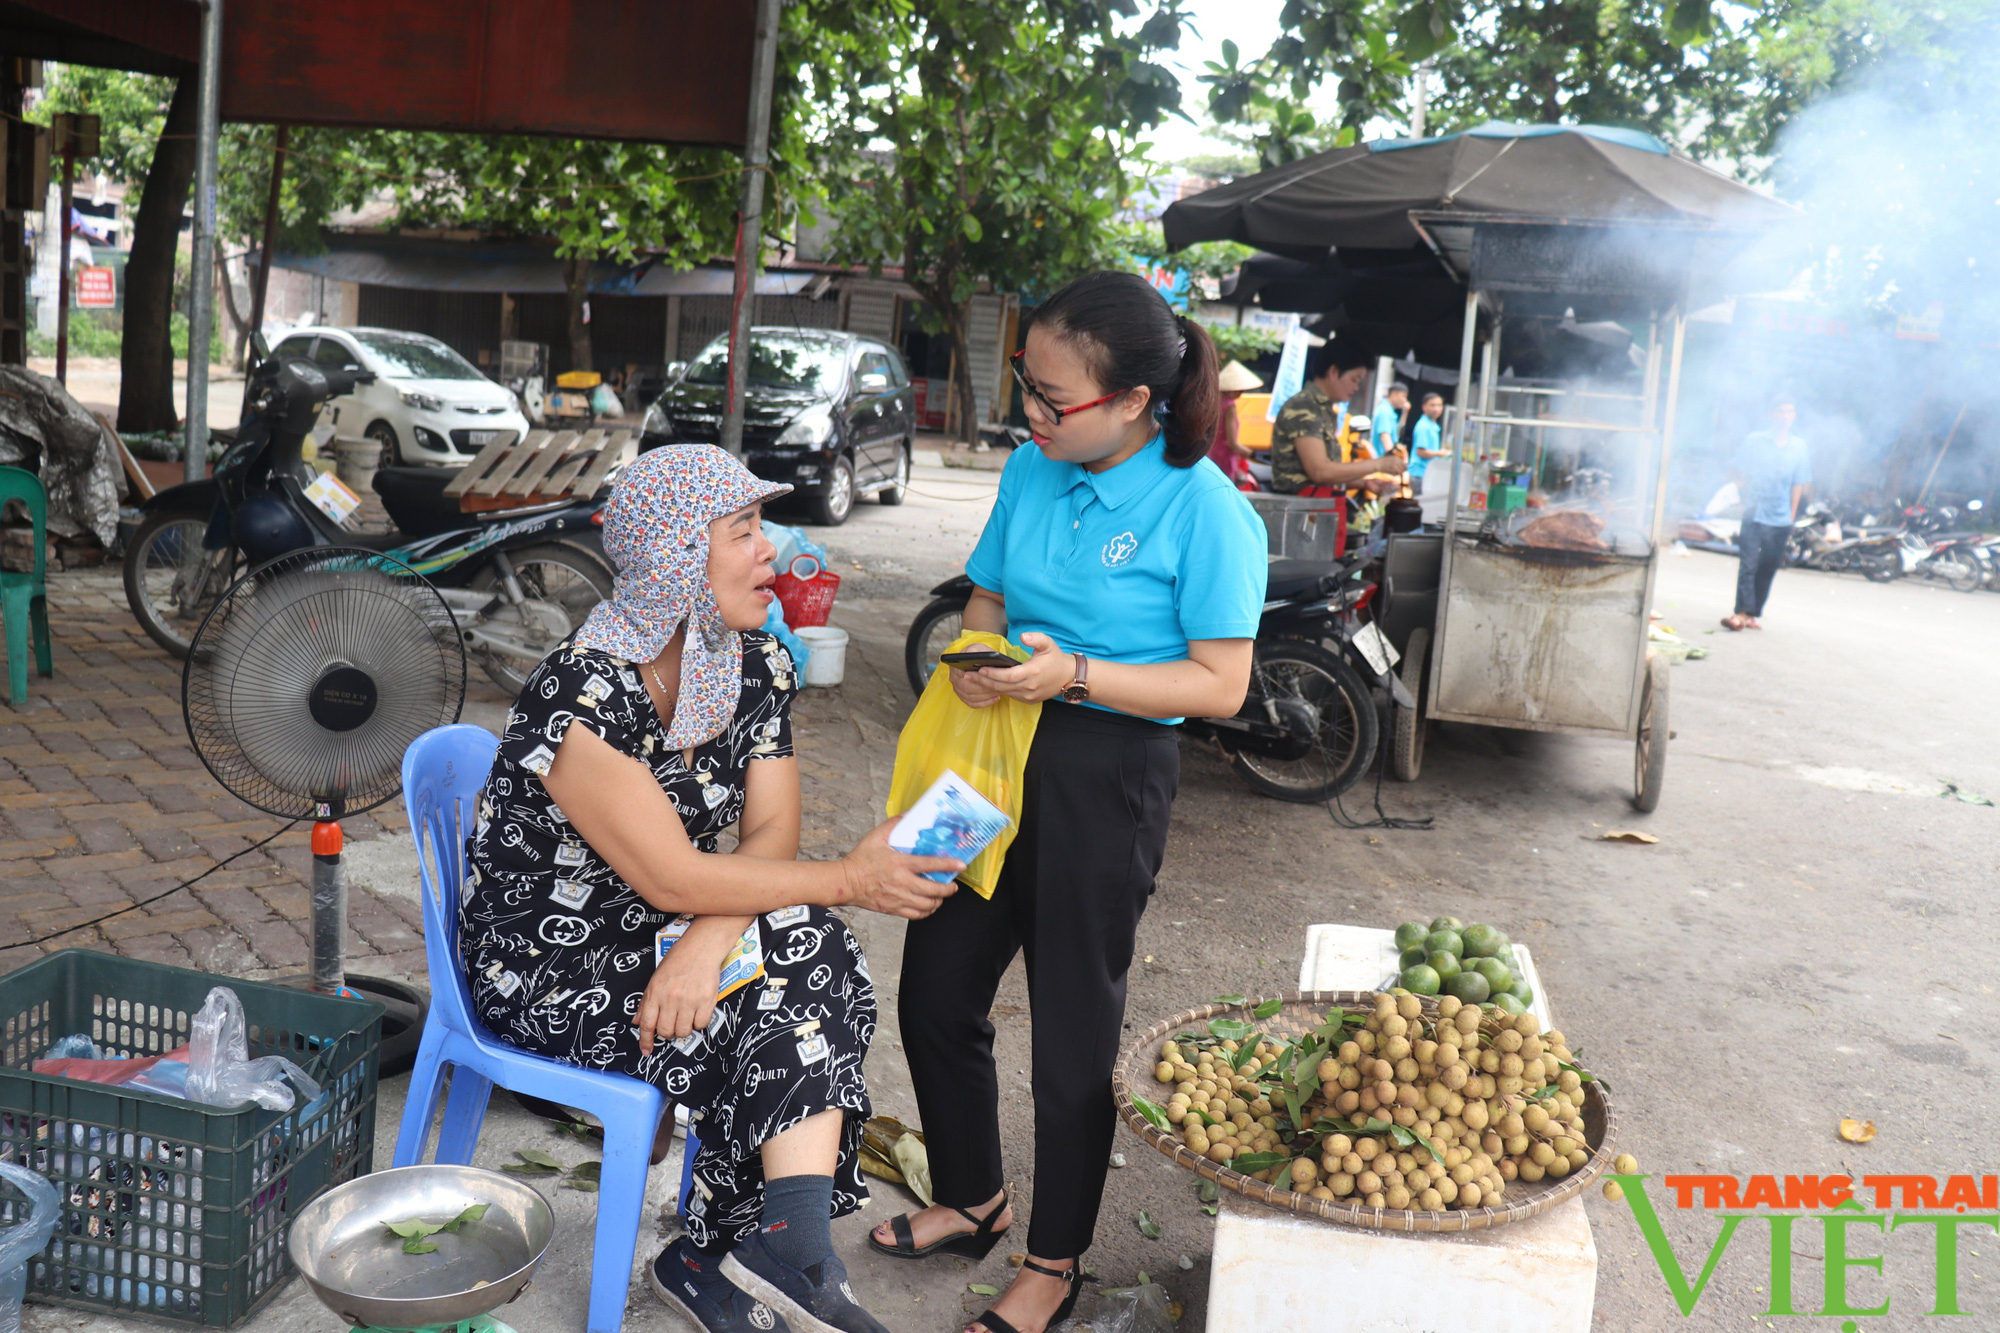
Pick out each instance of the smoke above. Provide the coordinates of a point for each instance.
(1883, 300)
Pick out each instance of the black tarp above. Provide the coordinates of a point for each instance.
(1360, 198)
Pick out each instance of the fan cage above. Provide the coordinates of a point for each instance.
(273, 637)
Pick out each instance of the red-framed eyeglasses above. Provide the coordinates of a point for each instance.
(1055, 414)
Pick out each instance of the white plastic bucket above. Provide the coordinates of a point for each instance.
(827, 645)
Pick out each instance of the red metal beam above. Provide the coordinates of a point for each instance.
(665, 71)
(653, 70)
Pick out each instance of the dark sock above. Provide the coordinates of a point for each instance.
(798, 1221)
(705, 1270)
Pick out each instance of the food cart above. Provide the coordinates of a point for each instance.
(1528, 603)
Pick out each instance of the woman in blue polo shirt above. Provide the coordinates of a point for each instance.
(1134, 572)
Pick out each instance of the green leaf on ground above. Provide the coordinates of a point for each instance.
(982, 1289)
(1147, 1226)
(1209, 1191)
(538, 1158)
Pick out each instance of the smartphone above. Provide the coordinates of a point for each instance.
(972, 661)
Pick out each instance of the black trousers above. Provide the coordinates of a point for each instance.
(1760, 551)
(1098, 792)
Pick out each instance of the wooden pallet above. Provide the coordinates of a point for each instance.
(544, 467)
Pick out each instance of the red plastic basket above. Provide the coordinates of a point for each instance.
(807, 601)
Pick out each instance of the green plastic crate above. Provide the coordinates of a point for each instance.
(172, 1210)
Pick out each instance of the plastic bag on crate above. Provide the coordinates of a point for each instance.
(220, 1072)
(25, 1238)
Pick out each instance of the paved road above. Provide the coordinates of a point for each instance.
(1806, 942)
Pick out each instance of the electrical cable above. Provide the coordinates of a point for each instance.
(1383, 819)
(133, 907)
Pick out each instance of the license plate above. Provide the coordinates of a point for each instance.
(1381, 654)
(481, 436)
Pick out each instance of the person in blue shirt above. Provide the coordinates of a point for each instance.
(1123, 559)
(1772, 471)
(1426, 439)
(1386, 432)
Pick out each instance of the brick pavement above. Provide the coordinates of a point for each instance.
(103, 802)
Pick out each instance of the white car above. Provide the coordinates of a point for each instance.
(428, 405)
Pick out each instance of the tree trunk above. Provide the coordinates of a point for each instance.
(237, 320)
(146, 391)
(968, 403)
(576, 281)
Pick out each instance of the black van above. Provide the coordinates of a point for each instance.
(830, 412)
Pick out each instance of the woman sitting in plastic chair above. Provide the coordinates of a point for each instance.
(662, 721)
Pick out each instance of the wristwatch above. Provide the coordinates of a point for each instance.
(1078, 690)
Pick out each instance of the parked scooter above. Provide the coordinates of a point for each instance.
(517, 580)
(1820, 541)
(1308, 729)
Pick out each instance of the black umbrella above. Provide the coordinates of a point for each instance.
(1360, 199)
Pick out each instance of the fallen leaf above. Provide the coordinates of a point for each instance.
(418, 1247)
(1209, 1191)
(1857, 1131)
(1212, 1209)
(1017, 1259)
(1175, 1310)
(539, 1158)
(1627, 835)
(587, 1171)
(982, 1289)
(1147, 1226)
(586, 1186)
(1145, 1278)
(1951, 789)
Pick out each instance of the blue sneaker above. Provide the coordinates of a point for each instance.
(677, 1286)
(814, 1301)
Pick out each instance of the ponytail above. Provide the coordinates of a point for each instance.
(1129, 336)
(1196, 401)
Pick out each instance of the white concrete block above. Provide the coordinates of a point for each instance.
(1538, 1275)
(1274, 1272)
(1362, 958)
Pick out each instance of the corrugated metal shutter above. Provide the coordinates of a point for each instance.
(983, 332)
(871, 312)
(798, 312)
(464, 321)
(704, 318)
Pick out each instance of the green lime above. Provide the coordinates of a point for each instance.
(1469, 987)
(1410, 934)
(1505, 953)
(1522, 991)
(1507, 1004)
(1446, 965)
(1481, 941)
(1497, 973)
(1448, 940)
(1446, 923)
(1413, 955)
(1420, 980)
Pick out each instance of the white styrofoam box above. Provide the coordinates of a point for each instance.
(1362, 958)
(1540, 1274)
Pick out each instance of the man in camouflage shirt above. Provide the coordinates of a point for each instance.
(1306, 449)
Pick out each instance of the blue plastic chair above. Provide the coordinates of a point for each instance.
(24, 598)
(442, 776)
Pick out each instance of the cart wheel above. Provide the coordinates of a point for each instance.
(1406, 759)
(1649, 765)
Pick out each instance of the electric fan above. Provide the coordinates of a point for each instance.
(303, 687)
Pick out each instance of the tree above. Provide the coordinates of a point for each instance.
(599, 199)
(146, 132)
(987, 143)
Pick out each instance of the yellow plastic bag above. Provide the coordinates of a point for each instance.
(988, 747)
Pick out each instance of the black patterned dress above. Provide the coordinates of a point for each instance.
(558, 949)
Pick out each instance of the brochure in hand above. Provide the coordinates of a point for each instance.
(744, 964)
(950, 819)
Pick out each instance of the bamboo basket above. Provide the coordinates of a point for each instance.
(1301, 1014)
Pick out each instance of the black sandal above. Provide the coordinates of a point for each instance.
(995, 1324)
(969, 1245)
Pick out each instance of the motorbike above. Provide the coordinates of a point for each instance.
(1963, 560)
(1308, 729)
(1820, 541)
(517, 580)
